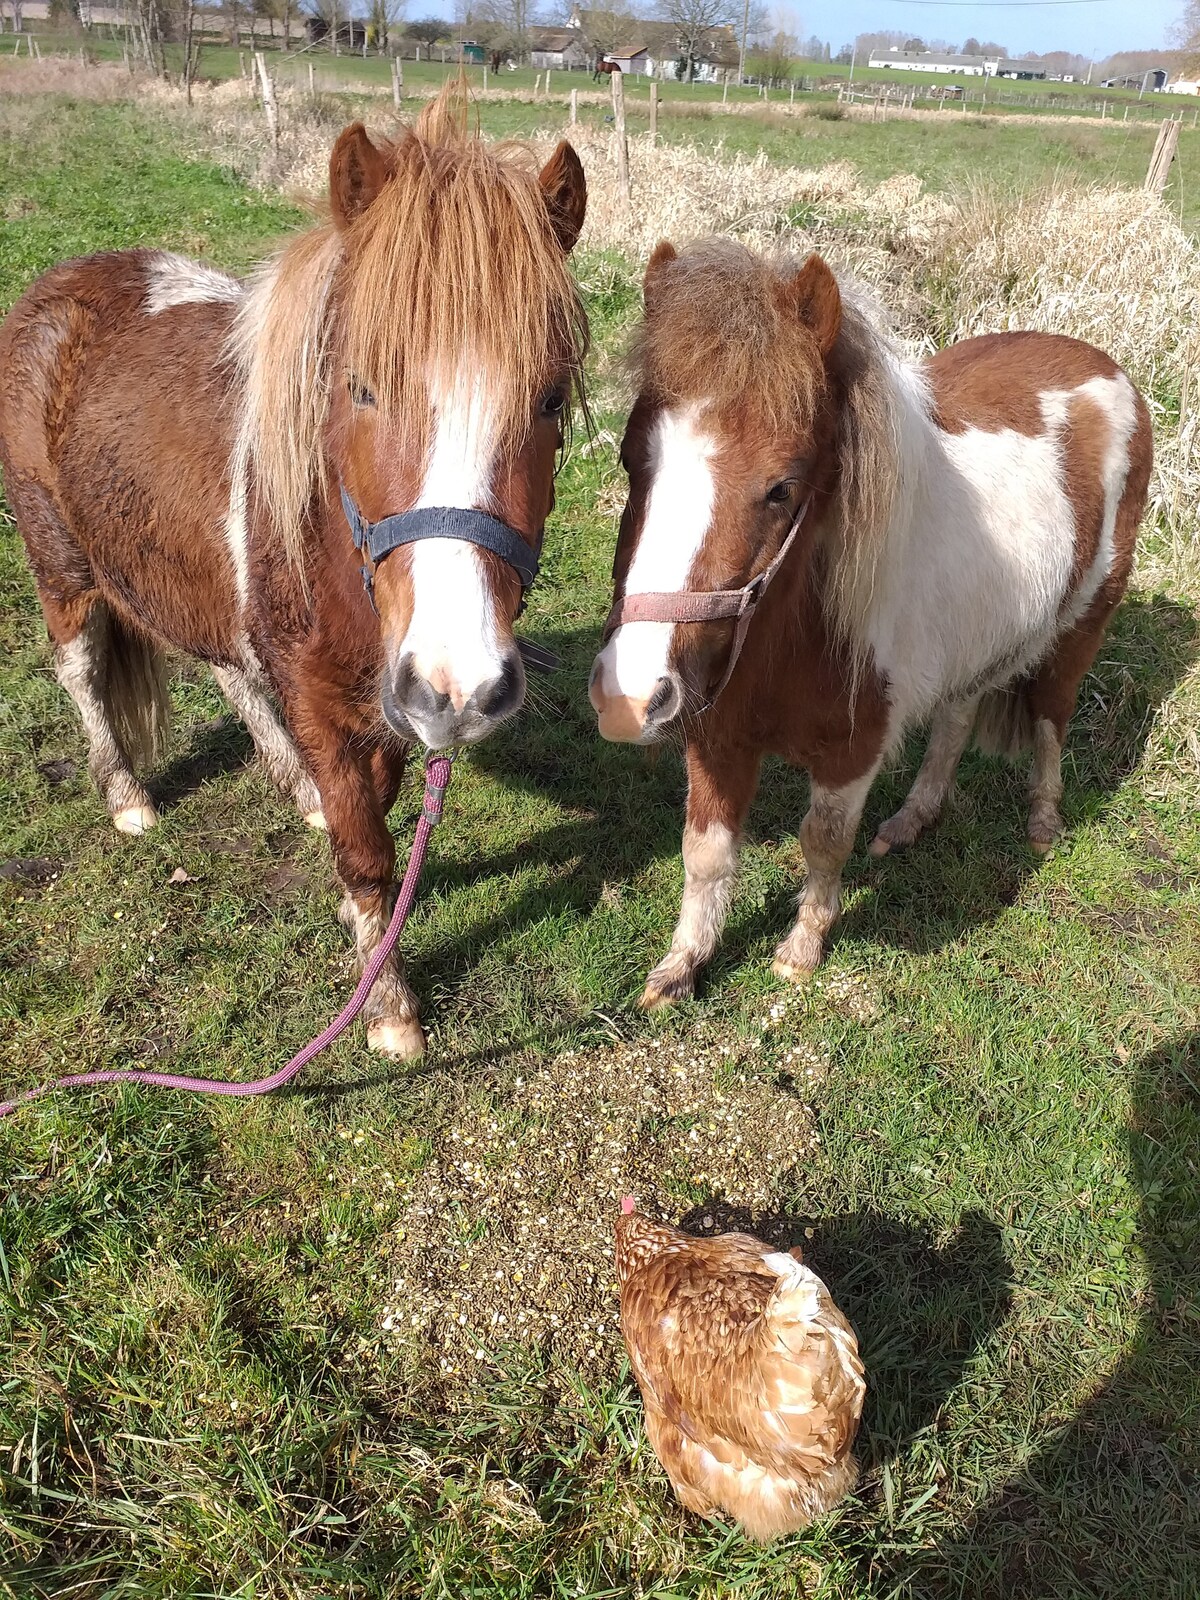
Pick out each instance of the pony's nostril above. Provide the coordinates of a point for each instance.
(413, 693)
(663, 704)
(502, 695)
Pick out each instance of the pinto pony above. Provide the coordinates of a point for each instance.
(192, 462)
(824, 545)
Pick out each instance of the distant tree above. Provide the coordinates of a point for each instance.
(812, 49)
(972, 47)
(428, 30)
(774, 61)
(845, 55)
(1186, 35)
(383, 17)
(868, 44)
(693, 21)
(990, 48)
(915, 44)
(608, 26)
(503, 24)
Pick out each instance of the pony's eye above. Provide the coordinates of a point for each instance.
(553, 403)
(779, 492)
(359, 392)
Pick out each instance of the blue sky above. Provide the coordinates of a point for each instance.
(1095, 25)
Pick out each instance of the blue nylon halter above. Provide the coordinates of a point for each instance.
(378, 539)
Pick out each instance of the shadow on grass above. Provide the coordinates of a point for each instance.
(1109, 1506)
(627, 808)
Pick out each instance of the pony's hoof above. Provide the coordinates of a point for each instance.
(796, 963)
(898, 832)
(316, 819)
(655, 999)
(666, 986)
(1044, 831)
(403, 1039)
(135, 819)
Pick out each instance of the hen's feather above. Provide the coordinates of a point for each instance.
(750, 1374)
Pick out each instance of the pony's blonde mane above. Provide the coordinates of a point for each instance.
(453, 268)
(715, 330)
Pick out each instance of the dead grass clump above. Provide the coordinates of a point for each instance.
(69, 76)
(1109, 265)
(508, 1237)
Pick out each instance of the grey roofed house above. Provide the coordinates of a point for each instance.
(558, 47)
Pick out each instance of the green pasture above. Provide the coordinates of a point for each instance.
(198, 1396)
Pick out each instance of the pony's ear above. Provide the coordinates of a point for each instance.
(564, 189)
(662, 255)
(812, 295)
(357, 171)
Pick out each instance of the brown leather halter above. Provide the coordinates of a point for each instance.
(707, 605)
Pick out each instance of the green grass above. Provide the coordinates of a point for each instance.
(198, 1396)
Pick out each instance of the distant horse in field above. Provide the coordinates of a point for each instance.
(604, 69)
(193, 461)
(824, 545)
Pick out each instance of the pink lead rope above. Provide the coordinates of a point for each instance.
(437, 779)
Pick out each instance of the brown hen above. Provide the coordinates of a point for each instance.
(749, 1373)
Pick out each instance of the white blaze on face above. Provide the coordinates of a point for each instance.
(678, 515)
(452, 633)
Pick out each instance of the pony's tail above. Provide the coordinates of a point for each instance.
(1004, 726)
(135, 693)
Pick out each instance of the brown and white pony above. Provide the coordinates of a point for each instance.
(964, 530)
(175, 446)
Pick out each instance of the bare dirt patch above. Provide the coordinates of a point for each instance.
(507, 1237)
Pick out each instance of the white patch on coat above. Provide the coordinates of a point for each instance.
(678, 516)
(173, 280)
(452, 633)
(1116, 399)
(981, 546)
(236, 528)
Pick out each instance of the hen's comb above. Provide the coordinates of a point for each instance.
(629, 1205)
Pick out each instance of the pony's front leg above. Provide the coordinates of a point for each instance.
(365, 856)
(720, 789)
(827, 838)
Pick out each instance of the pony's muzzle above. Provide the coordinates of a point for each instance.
(440, 714)
(630, 719)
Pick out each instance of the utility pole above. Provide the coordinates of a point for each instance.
(742, 48)
(853, 59)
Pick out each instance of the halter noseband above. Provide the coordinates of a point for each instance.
(707, 605)
(378, 539)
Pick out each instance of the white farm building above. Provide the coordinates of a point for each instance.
(958, 66)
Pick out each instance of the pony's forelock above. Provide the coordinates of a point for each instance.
(453, 267)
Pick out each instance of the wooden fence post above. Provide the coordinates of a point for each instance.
(653, 115)
(270, 105)
(312, 82)
(725, 89)
(395, 83)
(574, 106)
(1164, 155)
(485, 72)
(618, 100)
(242, 62)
